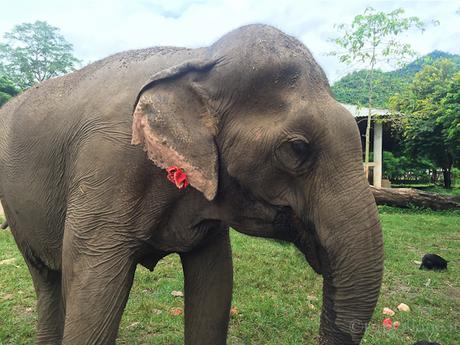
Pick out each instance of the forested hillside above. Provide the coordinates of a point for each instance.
(352, 88)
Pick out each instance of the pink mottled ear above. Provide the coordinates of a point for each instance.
(172, 121)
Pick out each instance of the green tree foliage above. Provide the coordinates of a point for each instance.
(7, 90)
(450, 116)
(403, 168)
(429, 118)
(352, 88)
(372, 38)
(34, 52)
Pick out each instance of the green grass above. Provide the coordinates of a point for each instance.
(277, 295)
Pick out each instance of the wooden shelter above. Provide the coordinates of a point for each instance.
(378, 116)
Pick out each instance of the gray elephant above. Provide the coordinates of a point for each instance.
(87, 161)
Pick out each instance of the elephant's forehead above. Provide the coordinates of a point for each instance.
(261, 41)
(263, 48)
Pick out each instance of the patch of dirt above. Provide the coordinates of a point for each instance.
(453, 293)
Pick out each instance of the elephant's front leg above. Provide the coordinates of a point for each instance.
(97, 282)
(208, 291)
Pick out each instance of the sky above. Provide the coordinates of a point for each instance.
(98, 28)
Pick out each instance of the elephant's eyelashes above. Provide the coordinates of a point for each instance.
(293, 153)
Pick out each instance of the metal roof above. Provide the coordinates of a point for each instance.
(358, 111)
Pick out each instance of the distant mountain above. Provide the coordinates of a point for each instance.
(352, 88)
(415, 66)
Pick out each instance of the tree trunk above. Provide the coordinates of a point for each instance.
(447, 178)
(406, 197)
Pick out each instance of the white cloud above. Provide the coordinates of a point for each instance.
(100, 28)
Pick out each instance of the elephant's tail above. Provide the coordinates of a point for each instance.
(4, 225)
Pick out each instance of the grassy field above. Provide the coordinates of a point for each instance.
(278, 297)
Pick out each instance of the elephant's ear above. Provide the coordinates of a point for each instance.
(174, 123)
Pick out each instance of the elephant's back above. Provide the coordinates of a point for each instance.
(112, 84)
(51, 114)
(100, 87)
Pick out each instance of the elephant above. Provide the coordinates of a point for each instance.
(157, 151)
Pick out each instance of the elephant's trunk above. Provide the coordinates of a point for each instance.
(350, 249)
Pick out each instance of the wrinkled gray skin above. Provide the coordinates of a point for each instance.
(266, 148)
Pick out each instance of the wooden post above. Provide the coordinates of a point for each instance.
(377, 154)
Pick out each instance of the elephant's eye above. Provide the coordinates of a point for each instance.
(299, 147)
(293, 153)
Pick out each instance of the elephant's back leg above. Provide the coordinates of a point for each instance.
(50, 307)
(47, 284)
(36, 203)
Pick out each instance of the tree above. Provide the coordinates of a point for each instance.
(429, 117)
(371, 39)
(34, 52)
(450, 116)
(7, 90)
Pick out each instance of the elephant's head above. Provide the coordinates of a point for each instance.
(254, 125)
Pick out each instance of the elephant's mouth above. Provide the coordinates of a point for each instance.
(289, 227)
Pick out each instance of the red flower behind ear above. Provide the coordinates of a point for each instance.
(177, 176)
